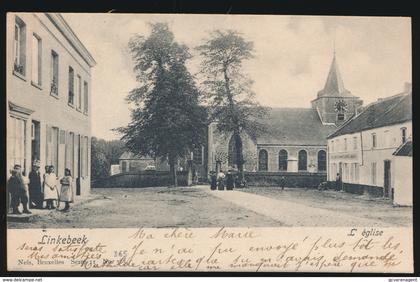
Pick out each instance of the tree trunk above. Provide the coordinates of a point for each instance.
(172, 168)
(239, 156)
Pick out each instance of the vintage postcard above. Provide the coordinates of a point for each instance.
(186, 142)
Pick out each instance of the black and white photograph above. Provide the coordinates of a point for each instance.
(185, 121)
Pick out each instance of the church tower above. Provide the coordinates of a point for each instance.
(334, 103)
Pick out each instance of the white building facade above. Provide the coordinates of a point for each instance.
(49, 96)
(362, 150)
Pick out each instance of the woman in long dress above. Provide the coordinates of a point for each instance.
(220, 180)
(213, 180)
(50, 188)
(66, 194)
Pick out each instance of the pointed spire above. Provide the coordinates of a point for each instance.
(334, 83)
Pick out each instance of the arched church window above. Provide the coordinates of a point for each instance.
(263, 160)
(283, 160)
(302, 160)
(322, 160)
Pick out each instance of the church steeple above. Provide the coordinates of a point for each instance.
(334, 94)
(334, 86)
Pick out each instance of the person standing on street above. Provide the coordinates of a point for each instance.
(35, 189)
(338, 182)
(50, 188)
(16, 187)
(220, 180)
(66, 194)
(230, 181)
(213, 180)
(282, 182)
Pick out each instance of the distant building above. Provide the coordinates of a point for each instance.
(373, 150)
(130, 162)
(296, 140)
(115, 169)
(48, 73)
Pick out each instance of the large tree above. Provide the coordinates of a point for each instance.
(166, 121)
(228, 88)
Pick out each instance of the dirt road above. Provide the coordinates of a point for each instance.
(199, 207)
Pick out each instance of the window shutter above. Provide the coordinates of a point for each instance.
(48, 145)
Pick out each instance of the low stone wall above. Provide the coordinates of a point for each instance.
(293, 179)
(139, 180)
(360, 189)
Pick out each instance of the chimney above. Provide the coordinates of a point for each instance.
(407, 87)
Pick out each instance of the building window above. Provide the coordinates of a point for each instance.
(373, 173)
(54, 73)
(86, 97)
(374, 140)
(283, 160)
(356, 173)
(302, 160)
(403, 134)
(332, 146)
(263, 160)
(36, 59)
(71, 86)
(125, 166)
(355, 143)
(79, 92)
(322, 160)
(19, 49)
(345, 144)
(337, 145)
(16, 135)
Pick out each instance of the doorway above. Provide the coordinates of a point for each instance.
(387, 178)
(77, 160)
(36, 143)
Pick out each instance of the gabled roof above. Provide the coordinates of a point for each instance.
(334, 86)
(384, 112)
(294, 126)
(405, 150)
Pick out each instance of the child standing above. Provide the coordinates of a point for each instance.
(66, 194)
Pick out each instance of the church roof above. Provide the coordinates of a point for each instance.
(295, 126)
(334, 86)
(384, 112)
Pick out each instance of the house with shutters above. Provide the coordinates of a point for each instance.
(296, 138)
(48, 75)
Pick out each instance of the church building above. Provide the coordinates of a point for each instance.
(296, 139)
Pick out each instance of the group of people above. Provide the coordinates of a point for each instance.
(230, 180)
(32, 192)
(221, 180)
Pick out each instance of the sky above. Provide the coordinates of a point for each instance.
(292, 56)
